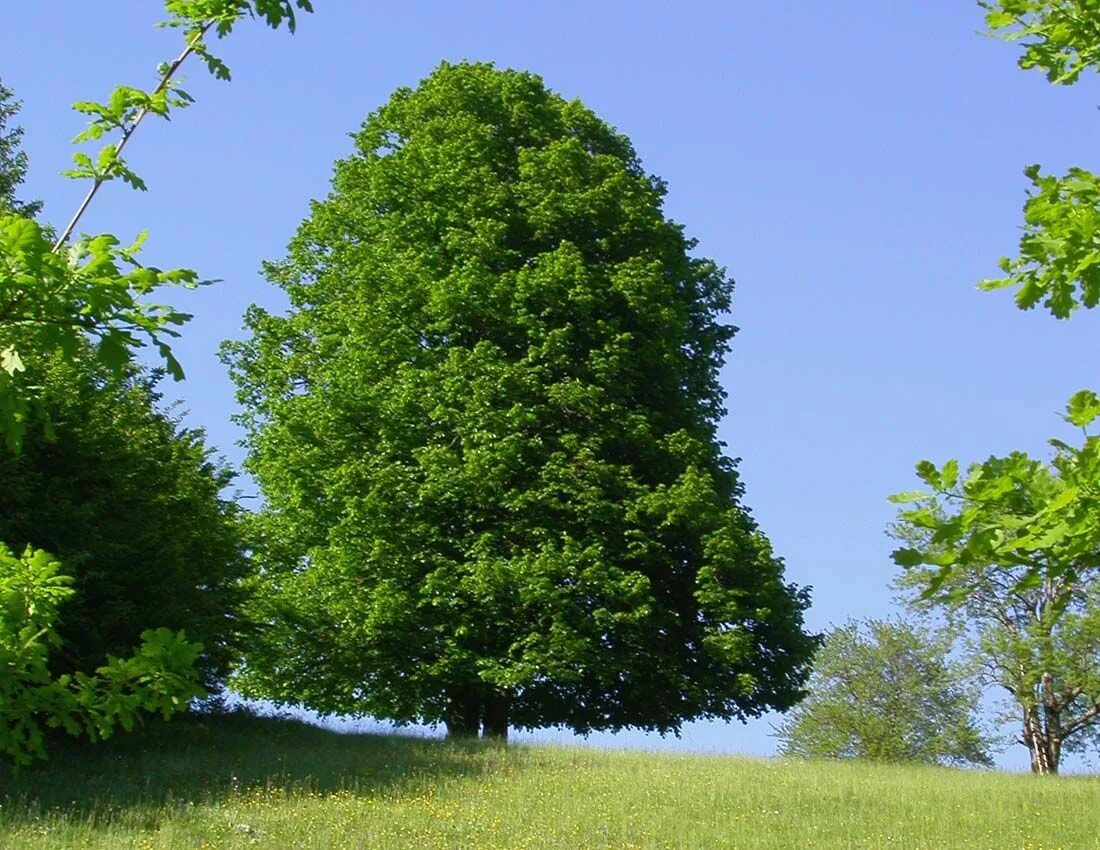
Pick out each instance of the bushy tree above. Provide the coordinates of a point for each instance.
(887, 691)
(132, 505)
(486, 436)
(159, 675)
(75, 310)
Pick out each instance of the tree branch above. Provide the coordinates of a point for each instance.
(99, 181)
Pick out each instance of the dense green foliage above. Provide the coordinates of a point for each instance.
(887, 691)
(128, 498)
(238, 783)
(50, 303)
(159, 676)
(485, 433)
(130, 502)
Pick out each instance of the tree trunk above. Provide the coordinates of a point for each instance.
(1052, 717)
(463, 713)
(495, 715)
(1043, 746)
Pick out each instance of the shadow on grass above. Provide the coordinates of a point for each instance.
(203, 759)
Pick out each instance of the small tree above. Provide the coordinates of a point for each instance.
(887, 691)
(486, 435)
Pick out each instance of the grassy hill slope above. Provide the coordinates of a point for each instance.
(243, 782)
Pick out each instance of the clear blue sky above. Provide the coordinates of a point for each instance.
(856, 166)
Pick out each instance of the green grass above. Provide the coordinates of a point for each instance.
(244, 782)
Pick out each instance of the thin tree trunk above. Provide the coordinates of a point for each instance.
(1053, 723)
(1053, 740)
(1044, 751)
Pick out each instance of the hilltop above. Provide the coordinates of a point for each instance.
(238, 781)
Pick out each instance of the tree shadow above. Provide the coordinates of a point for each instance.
(202, 759)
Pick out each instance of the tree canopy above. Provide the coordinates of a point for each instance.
(486, 436)
(887, 691)
(1028, 609)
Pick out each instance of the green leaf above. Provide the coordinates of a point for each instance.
(175, 370)
(1042, 538)
(107, 159)
(950, 474)
(907, 496)
(10, 361)
(907, 557)
(91, 133)
(1083, 408)
(114, 350)
(132, 179)
(927, 472)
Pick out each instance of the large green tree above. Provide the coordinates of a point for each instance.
(132, 505)
(887, 691)
(486, 435)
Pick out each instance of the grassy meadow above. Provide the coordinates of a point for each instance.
(244, 782)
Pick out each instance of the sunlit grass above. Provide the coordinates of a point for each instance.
(240, 782)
